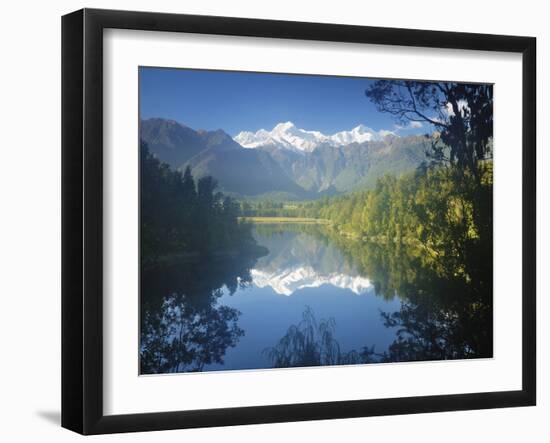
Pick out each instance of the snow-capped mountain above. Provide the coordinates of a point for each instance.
(359, 134)
(289, 163)
(287, 281)
(287, 135)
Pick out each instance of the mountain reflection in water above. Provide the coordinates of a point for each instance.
(316, 298)
(300, 257)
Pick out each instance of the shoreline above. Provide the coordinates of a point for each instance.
(255, 252)
(276, 220)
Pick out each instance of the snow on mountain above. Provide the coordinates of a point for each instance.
(359, 134)
(287, 135)
(287, 281)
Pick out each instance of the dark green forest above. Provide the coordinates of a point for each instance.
(182, 217)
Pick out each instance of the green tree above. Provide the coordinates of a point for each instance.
(462, 113)
(181, 217)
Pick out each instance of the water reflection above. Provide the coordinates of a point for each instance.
(183, 328)
(313, 343)
(447, 299)
(303, 256)
(317, 298)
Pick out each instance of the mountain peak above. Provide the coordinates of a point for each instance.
(287, 136)
(360, 129)
(282, 127)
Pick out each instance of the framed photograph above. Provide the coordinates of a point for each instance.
(269, 221)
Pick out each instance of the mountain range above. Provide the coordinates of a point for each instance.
(286, 163)
(288, 136)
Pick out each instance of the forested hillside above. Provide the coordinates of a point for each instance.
(181, 216)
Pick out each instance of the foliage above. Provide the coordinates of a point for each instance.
(462, 113)
(182, 216)
(427, 206)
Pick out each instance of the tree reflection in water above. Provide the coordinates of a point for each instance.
(182, 326)
(445, 313)
(312, 343)
(447, 300)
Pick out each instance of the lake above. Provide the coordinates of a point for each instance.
(314, 299)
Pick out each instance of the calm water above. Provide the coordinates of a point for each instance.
(302, 271)
(309, 301)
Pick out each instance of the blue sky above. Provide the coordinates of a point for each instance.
(244, 101)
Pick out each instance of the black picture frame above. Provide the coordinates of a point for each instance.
(82, 218)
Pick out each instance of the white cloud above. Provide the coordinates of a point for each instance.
(411, 125)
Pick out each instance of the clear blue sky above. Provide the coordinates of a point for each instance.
(238, 101)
